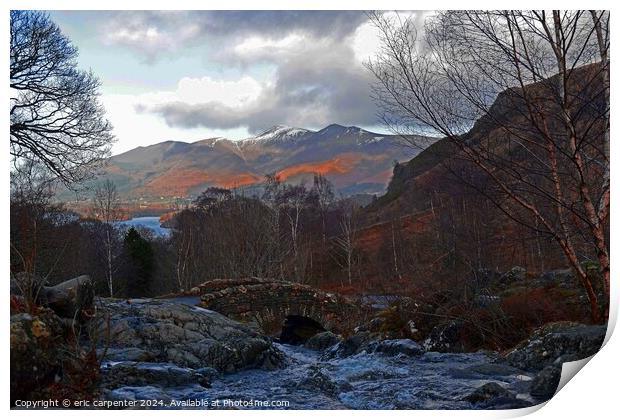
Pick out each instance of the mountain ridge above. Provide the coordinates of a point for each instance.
(354, 159)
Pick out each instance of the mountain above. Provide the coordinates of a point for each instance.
(355, 160)
(449, 214)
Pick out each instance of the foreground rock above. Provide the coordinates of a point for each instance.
(163, 375)
(72, 299)
(36, 342)
(322, 341)
(546, 382)
(403, 346)
(549, 347)
(557, 343)
(44, 322)
(372, 343)
(351, 345)
(186, 336)
(446, 338)
(493, 395)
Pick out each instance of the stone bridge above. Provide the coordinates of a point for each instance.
(270, 301)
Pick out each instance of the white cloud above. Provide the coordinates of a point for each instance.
(315, 76)
(150, 32)
(366, 42)
(134, 128)
(259, 48)
(156, 34)
(192, 91)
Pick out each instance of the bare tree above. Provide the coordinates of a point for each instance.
(106, 206)
(56, 117)
(539, 83)
(292, 201)
(33, 220)
(31, 182)
(324, 191)
(346, 241)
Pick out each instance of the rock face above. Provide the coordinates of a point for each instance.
(557, 343)
(252, 298)
(187, 336)
(35, 352)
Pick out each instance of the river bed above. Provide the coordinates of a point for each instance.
(361, 381)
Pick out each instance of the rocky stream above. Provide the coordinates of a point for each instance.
(176, 355)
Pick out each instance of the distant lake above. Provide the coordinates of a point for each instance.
(150, 222)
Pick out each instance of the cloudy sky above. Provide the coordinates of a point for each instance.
(193, 75)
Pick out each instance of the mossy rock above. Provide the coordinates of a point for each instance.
(35, 352)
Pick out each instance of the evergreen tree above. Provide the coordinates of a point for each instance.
(141, 263)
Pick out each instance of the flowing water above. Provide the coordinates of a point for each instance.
(362, 381)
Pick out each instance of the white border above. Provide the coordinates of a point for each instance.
(593, 395)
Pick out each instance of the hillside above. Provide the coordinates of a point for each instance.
(444, 170)
(446, 215)
(355, 160)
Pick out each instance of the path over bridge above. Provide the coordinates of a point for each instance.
(270, 301)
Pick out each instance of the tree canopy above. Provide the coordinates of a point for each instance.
(56, 117)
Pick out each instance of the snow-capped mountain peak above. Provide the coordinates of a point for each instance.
(279, 133)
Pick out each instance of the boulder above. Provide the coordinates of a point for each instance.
(404, 318)
(546, 383)
(116, 375)
(372, 343)
(556, 343)
(486, 370)
(493, 396)
(445, 338)
(184, 335)
(317, 380)
(322, 341)
(488, 392)
(352, 345)
(36, 360)
(71, 299)
(404, 346)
